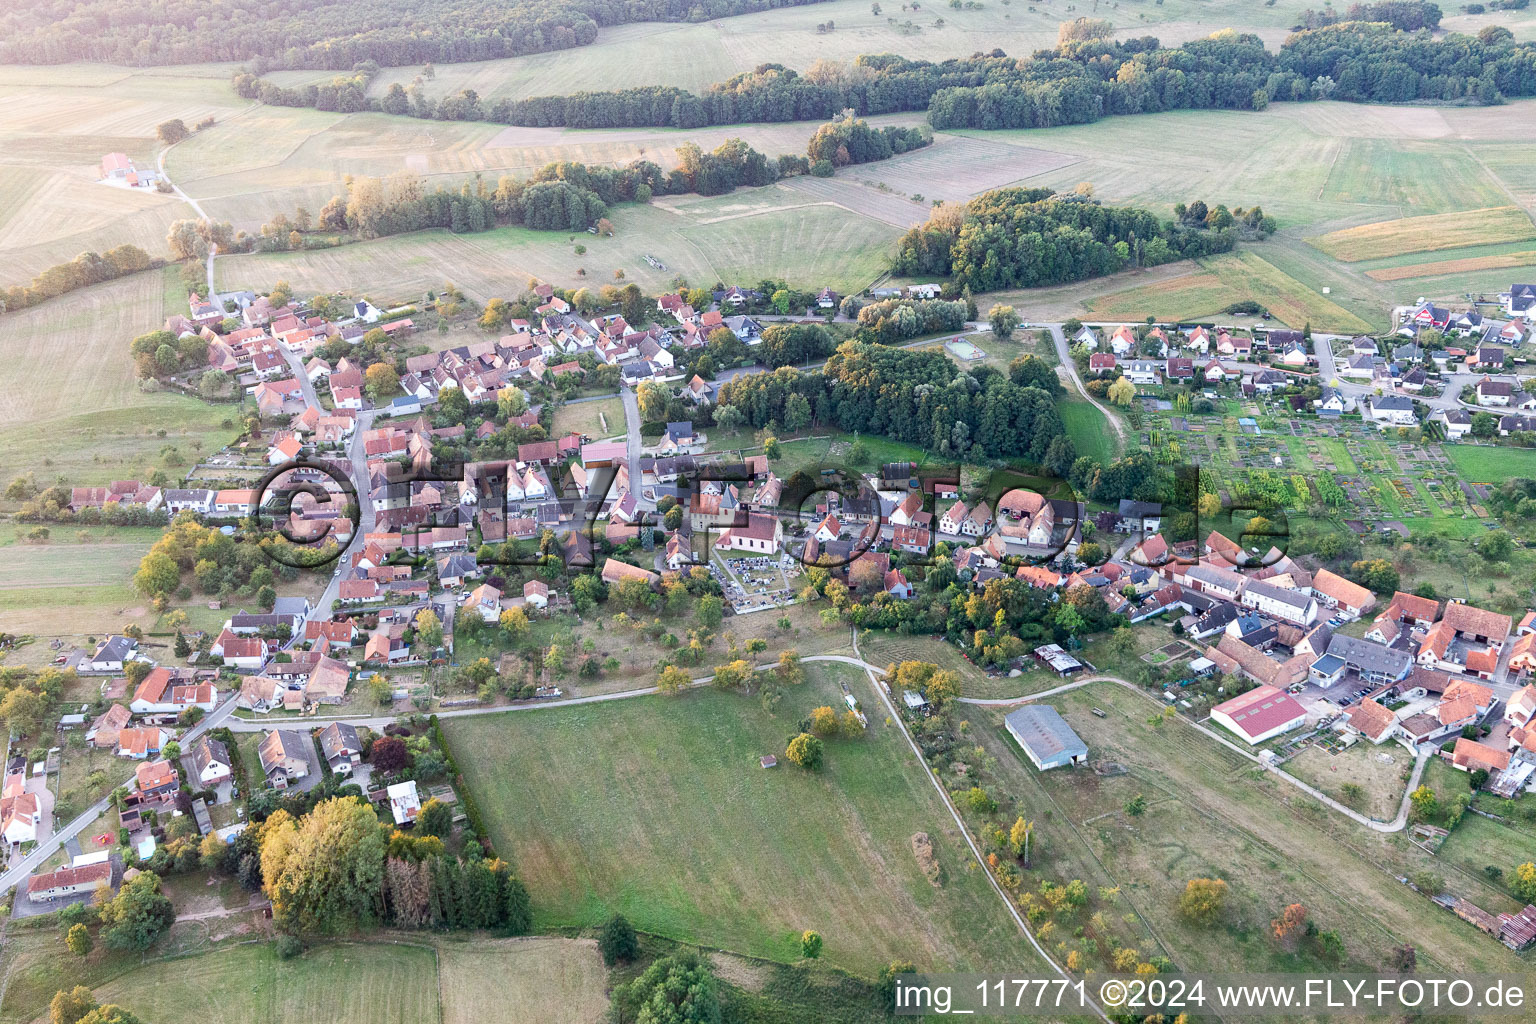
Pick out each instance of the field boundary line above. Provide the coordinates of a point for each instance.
(895, 716)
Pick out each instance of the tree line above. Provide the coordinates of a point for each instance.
(333, 34)
(81, 272)
(1024, 238)
(918, 397)
(1087, 76)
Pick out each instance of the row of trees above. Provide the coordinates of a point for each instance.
(1087, 76)
(330, 33)
(81, 272)
(918, 397)
(1024, 238)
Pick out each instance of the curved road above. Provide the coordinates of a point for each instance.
(1397, 824)
(1064, 354)
(213, 250)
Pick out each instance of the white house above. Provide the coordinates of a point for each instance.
(1291, 606)
(210, 761)
(761, 535)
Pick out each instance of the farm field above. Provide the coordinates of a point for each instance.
(685, 834)
(101, 427)
(746, 237)
(1225, 279)
(419, 981)
(1428, 233)
(1194, 788)
(1439, 268)
(56, 125)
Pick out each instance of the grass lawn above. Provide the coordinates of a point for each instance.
(603, 418)
(1087, 428)
(1376, 770)
(1477, 843)
(1427, 234)
(1483, 464)
(681, 830)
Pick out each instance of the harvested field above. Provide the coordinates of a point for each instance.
(1427, 234)
(1523, 258)
(1224, 279)
(856, 198)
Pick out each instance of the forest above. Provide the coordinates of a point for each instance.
(1024, 238)
(336, 34)
(918, 397)
(1077, 82)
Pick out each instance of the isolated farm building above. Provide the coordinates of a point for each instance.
(1260, 714)
(1045, 736)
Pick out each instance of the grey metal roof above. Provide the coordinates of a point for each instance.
(1365, 656)
(1043, 731)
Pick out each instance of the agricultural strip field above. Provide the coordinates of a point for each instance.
(1436, 268)
(560, 981)
(688, 837)
(1210, 814)
(1427, 234)
(70, 404)
(1222, 280)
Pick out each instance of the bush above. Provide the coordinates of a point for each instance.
(618, 942)
(822, 169)
(289, 946)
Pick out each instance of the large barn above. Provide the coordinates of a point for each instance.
(1046, 737)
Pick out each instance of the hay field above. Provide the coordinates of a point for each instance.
(682, 831)
(1222, 280)
(1428, 233)
(1437, 268)
(550, 980)
(56, 124)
